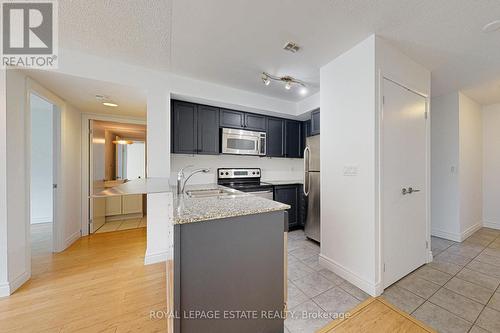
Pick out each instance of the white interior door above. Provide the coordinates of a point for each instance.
(404, 166)
(97, 206)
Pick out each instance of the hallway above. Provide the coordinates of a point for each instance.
(458, 291)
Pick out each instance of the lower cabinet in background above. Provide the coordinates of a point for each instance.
(292, 195)
(124, 204)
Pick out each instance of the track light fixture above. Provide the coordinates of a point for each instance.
(287, 80)
(266, 80)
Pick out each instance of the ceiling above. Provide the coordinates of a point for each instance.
(231, 42)
(81, 93)
(132, 31)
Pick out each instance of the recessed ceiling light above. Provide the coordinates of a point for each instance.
(303, 91)
(110, 104)
(492, 26)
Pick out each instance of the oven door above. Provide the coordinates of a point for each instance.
(242, 142)
(267, 194)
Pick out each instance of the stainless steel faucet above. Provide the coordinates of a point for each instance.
(181, 180)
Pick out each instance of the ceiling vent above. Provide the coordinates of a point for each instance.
(291, 47)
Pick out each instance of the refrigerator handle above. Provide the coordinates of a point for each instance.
(305, 188)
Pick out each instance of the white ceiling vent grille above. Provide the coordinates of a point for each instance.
(291, 47)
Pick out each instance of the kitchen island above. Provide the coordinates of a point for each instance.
(229, 262)
(226, 264)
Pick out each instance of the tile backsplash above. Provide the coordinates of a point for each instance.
(273, 168)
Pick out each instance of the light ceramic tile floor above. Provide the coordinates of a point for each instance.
(122, 225)
(316, 296)
(458, 291)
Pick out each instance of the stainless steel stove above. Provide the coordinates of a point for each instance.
(245, 180)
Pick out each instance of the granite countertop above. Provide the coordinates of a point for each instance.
(188, 209)
(234, 203)
(284, 182)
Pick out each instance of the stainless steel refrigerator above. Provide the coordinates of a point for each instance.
(312, 187)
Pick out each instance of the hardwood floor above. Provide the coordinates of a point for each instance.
(378, 316)
(99, 284)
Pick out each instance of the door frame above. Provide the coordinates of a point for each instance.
(380, 163)
(33, 87)
(85, 170)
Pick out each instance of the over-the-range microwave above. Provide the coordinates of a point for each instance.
(242, 142)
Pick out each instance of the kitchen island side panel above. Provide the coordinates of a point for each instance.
(233, 264)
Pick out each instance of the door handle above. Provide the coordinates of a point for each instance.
(305, 187)
(410, 190)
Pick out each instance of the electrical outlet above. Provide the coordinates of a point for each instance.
(350, 170)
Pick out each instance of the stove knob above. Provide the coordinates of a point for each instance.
(253, 173)
(227, 173)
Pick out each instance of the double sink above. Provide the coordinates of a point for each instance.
(213, 192)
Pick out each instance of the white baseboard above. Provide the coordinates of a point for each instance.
(45, 219)
(430, 256)
(19, 281)
(4, 289)
(374, 289)
(491, 224)
(8, 288)
(154, 258)
(472, 229)
(457, 237)
(71, 239)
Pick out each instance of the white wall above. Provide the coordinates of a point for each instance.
(444, 164)
(4, 277)
(41, 157)
(471, 165)
(457, 158)
(350, 101)
(348, 125)
(70, 175)
(308, 104)
(491, 166)
(272, 168)
(17, 181)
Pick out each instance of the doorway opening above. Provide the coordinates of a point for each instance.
(44, 123)
(117, 155)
